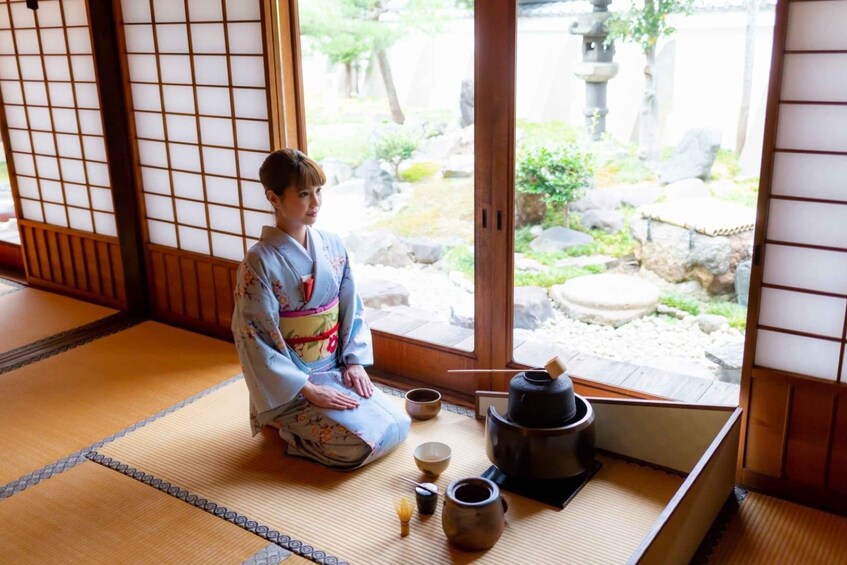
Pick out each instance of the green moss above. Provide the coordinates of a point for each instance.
(681, 303)
(351, 148)
(461, 259)
(746, 193)
(555, 275)
(735, 313)
(541, 134)
(439, 208)
(419, 171)
(726, 165)
(618, 244)
(523, 237)
(625, 170)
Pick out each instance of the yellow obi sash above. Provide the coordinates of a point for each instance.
(312, 334)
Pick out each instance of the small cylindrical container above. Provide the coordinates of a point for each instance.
(427, 501)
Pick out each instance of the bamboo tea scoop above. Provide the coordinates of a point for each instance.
(555, 367)
(419, 485)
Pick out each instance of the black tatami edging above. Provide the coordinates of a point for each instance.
(66, 340)
(240, 520)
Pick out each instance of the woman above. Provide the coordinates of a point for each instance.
(300, 331)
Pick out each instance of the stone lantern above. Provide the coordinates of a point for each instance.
(596, 67)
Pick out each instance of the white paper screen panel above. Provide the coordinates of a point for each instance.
(804, 175)
(52, 109)
(802, 312)
(816, 26)
(809, 223)
(818, 77)
(200, 102)
(798, 354)
(812, 127)
(807, 269)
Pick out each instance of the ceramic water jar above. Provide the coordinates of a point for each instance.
(474, 513)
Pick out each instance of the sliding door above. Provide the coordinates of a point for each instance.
(57, 159)
(794, 389)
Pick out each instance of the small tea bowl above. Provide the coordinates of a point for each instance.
(423, 403)
(432, 457)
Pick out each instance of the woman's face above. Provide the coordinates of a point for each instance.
(297, 206)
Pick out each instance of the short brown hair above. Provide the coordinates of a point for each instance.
(287, 167)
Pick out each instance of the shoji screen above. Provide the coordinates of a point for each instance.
(55, 149)
(201, 76)
(796, 403)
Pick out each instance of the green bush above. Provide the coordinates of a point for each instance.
(559, 174)
(681, 303)
(523, 237)
(395, 145)
(419, 171)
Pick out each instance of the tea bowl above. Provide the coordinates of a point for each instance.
(423, 403)
(432, 457)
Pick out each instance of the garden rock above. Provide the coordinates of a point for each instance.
(677, 254)
(336, 171)
(637, 195)
(462, 315)
(597, 200)
(588, 260)
(458, 166)
(559, 238)
(383, 248)
(426, 249)
(606, 299)
(685, 190)
(609, 221)
(532, 307)
(524, 263)
(729, 358)
(742, 282)
(379, 187)
(377, 293)
(711, 323)
(440, 146)
(693, 157)
(466, 103)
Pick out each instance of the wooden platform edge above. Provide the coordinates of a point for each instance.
(683, 524)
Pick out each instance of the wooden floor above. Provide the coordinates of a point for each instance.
(49, 506)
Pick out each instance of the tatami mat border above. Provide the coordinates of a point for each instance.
(41, 349)
(719, 527)
(78, 457)
(271, 554)
(456, 409)
(16, 286)
(273, 536)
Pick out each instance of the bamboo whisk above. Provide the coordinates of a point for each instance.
(404, 509)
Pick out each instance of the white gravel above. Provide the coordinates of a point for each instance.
(658, 341)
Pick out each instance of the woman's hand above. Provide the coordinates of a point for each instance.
(327, 397)
(356, 378)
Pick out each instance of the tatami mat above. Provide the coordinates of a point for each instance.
(769, 530)
(56, 406)
(30, 315)
(206, 449)
(91, 514)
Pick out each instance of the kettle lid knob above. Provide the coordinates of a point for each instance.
(555, 367)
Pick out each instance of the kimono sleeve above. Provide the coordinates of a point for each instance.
(356, 344)
(271, 375)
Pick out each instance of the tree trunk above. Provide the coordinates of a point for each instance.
(649, 147)
(747, 88)
(566, 215)
(348, 80)
(385, 70)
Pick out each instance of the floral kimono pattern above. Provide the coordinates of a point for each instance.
(270, 288)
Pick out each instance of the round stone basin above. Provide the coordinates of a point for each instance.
(607, 299)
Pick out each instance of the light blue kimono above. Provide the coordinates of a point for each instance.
(269, 281)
